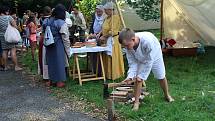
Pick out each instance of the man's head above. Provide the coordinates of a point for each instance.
(75, 10)
(127, 38)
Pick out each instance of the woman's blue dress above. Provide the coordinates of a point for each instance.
(55, 54)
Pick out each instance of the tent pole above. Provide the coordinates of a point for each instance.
(161, 21)
(120, 14)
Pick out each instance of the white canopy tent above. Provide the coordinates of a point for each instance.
(187, 21)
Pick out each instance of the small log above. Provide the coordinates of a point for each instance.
(128, 89)
(119, 93)
(111, 112)
(119, 98)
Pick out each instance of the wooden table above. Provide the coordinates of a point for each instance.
(76, 72)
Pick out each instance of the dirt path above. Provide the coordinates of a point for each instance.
(23, 99)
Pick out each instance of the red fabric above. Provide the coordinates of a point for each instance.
(33, 29)
(40, 54)
(171, 42)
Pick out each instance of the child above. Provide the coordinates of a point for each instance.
(31, 24)
(144, 54)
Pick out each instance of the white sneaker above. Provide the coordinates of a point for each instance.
(17, 68)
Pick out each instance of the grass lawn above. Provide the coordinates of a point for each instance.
(191, 83)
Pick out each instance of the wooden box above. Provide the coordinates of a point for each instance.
(184, 51)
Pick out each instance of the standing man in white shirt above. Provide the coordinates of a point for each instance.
(144, 54)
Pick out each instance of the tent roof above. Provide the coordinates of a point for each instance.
(189, 21)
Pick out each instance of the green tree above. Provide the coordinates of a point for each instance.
(146, 9)
(87, 7)
(34, 5)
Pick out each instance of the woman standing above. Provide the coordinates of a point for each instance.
(113, 63)
(97, 20)
(5, 19)
(31, 24)
(56, 54)
(43, 67)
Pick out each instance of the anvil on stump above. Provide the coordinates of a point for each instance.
(121, 93)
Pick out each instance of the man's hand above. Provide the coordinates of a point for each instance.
(127, 81)
(102, 38)
(139, 79)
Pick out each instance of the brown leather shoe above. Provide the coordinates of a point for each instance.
(60, 84)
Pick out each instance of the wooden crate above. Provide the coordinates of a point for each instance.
(184, 51)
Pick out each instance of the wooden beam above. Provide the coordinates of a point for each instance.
(110, 111)
(120, 14)
(161, 20)
(118, 84)
(91, 79)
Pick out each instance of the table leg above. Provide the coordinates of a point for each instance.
(78, 68)
(87, 61)
(73, 67)
(97, 64)
(102, 66)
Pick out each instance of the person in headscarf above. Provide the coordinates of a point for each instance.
(95, 29)
(97, 20)
(113, 59)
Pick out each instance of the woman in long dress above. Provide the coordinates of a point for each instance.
(113, 63)
(56, 54)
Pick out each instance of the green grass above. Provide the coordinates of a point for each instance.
(190, 81)
(26, 59)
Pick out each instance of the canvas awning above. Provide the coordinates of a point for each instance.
(187, 21)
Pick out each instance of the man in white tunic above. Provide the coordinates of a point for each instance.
(144, 54)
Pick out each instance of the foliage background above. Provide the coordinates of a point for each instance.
(146, 9)
(33, 5)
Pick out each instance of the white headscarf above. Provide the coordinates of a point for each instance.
(99, 20)
(109, 5)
